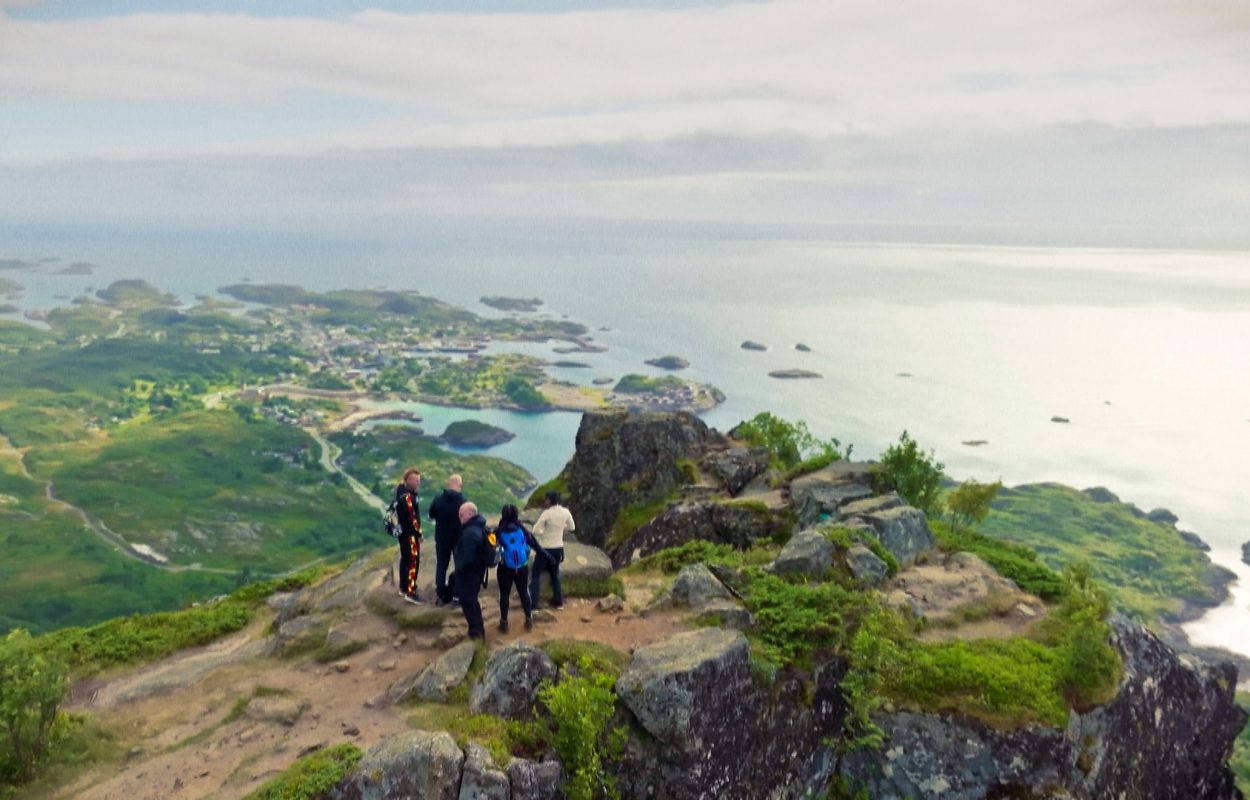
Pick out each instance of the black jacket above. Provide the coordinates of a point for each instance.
(408, 510)
(471, 547)
(445, 511)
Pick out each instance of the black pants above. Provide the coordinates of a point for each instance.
(442, 559)
(506, 577)
(468, 585)
(547, 560)
(409, 563)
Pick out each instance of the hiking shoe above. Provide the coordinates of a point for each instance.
(558, 606)
(529, 623)
(503, 626)
(414, 599)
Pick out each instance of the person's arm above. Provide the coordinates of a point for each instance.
(434, 504)
(569, 524)
(414, 514)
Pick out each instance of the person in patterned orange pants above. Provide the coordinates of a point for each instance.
(409, 513)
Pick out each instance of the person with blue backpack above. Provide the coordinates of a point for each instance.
(514, 556)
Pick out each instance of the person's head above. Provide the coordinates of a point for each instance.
(467, 512)
(553, 499)
(509, 516)
(455, 483)
(412, 478)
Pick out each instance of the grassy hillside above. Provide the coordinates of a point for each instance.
(1146, 567)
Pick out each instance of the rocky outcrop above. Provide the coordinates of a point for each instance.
(435, 682)
(735, 467)
(415, 764)
(713, 732)
(628, 457)
(481, 779)
(807, 553)
(865, 566)
(1165, 735)
(737, 523)
(902, 530)
(510, 684)
(585, 570)
(822, 494)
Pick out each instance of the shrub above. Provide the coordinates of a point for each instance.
(1078, 630)
(795, 620)
(791, 445)
(571, 654)
(969, 504)
(581, 706)
(1014, 561)
(312, 775)
(32, 688)
(906, 469)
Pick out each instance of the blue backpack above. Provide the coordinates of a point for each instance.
(513, 552)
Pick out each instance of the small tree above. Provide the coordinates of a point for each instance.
(791, 444)
(969, 503)
(32, 688)
(581, 706)
(906, 469)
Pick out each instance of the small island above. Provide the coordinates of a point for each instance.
(802, 348)
(1245, 552)
(471, 433)
(8, 308)
(521, 304)
(1061, 420)
(78, 268)
(974, 442)
(668, 362)
(750, 345)
(571, 364)
(794, 374)
(602, 381)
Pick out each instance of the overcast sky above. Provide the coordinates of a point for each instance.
(1120, 121)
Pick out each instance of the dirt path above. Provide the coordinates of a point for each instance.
(178, 718)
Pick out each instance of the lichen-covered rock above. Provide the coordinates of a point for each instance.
(297, 631)
(1165, 735)
(414, 764)
(737, 523)
(435, 682)
(903, 531)
(535, 780)
(715, 732)
(510, 684)
(871, 505)
(807, 553)
(345, 590)
(737, 466)
(286, 606)
(638, 450)
(726, 614)
(283, 709)
(696, 586)
(865, 565)
(481, 779)
(582, 561)
(819, 495)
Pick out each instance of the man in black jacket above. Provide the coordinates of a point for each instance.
(472, 562)
(409, 513)
(445, 511)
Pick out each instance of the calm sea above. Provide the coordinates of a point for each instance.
(1147, 353)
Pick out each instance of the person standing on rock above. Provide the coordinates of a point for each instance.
(553, 523)
(472, 561)
(514, 555)
(445, 511)
(408, 510)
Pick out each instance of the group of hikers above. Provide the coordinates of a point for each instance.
(463, 538)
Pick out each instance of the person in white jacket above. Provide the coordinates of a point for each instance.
(549, 530)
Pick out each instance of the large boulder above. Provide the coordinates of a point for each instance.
(735, 467)
(821, 494)
(870, 505)
(738, 523)
(640, 451)
(535, 780)
(866, 566)
(345, 590)
(807, 553)
(435, 682)
(1165, 735)
(585, 570)
(715, 732)
(903, 531)
(509, 687)
(414, 764)
(482, 780)
(695, 586)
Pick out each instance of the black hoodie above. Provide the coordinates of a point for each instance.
(445, 511)
(471, 548)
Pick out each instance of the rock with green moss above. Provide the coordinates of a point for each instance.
(421, 764)
(482, 779)
(903, 531)
(738, 523)
(509, 687)
(807, 553)
(865, 566)
(695, 587)
(435, 682)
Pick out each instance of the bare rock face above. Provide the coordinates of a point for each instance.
(482, 780)
(713, 732)
(1166, 735)
(635, 450)
(903, 531)
(807, 553)
(535, 780)
(735, 467)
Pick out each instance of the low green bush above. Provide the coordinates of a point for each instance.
(792, 446)
(700, 551)
(502, 738)
(581, 707)
(32, 688)
(311, 776)
(570, 654)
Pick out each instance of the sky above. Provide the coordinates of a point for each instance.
(1118, 122)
